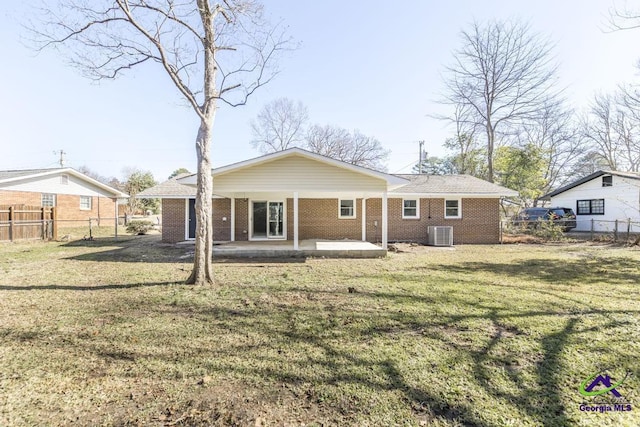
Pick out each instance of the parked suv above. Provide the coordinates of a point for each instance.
(530, 217)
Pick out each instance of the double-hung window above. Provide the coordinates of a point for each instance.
(346, 208)
(85, 203)
(410, 208)
(452, 208)
(48, 200)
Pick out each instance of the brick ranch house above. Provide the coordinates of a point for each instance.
(75, 196)
(297, 195)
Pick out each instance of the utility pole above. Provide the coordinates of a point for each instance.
(420, 145)
(61, 153)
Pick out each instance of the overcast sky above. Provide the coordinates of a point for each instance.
(368, 65)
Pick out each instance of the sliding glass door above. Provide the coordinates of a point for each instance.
(267, 220)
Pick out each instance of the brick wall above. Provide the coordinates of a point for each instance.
(174, 217)
(67, 206)
(173, 220)
(242, 219)
(318, 219)
(480, 222)
(221, 220)
(20, 198)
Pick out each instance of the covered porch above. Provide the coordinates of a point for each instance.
(299, 201)
(316, 248)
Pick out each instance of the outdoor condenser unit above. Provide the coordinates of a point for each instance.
(440, 236)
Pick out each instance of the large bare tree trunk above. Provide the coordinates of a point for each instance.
(202, 273)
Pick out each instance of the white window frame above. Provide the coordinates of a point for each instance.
(47, 205)
(83, 208)
(459, 209)
(353, 215)
(417, 208)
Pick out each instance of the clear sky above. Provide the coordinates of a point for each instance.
(369, 65)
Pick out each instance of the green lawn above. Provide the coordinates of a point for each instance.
(103, 333)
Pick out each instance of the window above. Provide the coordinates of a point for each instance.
(410, 208)
(607, 181)
(48, 200)
(590, 207)
(85, 203)
(64, 179)
(452, 209)
(347, 208)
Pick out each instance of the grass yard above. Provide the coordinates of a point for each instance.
(103, 333)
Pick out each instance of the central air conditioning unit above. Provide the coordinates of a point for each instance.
(440, 236)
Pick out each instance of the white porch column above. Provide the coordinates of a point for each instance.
(232, 222)
(385, 225)
(295, 220)
(364, 219)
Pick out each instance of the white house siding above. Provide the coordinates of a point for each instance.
(296, 173)
(53, 184)
(621, 202)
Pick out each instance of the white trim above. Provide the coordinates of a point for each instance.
(64, 179)
(295, 221)
(250, 219)
(355, 214)
(364, 219)
(90, 203)
(385, 220)
(69, 171)
(459, 216)
(54, 198)
(233, 219)
(417, 215)
(186, 220)
(449, 196)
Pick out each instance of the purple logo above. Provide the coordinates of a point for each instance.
(600, 383)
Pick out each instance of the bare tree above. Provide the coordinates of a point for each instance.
(612, 129)
(211, 51)
(279, 125)
(340, 144)
(467, 157)
(500, 76)
(556, 135)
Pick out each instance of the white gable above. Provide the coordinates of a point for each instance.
(295, 173)
(56, 184)
(621, 202)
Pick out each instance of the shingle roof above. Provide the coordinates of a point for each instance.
(451, 184)
(588, 178)
(8, 174)
(170, 189)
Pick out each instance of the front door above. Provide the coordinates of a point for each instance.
(192, 219)
(267, 220)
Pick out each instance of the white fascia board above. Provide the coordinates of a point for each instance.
(69, 171)
(453, 195)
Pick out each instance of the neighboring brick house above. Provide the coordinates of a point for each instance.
(295, 195)
(75, 196)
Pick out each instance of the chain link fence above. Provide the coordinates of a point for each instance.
(615, 231)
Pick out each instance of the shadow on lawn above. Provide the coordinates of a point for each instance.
(82, 287)
(558, 272)
(309, 344)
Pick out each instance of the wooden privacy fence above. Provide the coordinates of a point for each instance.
(21, 222)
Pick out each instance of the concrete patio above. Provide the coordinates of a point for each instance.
(307, 248)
